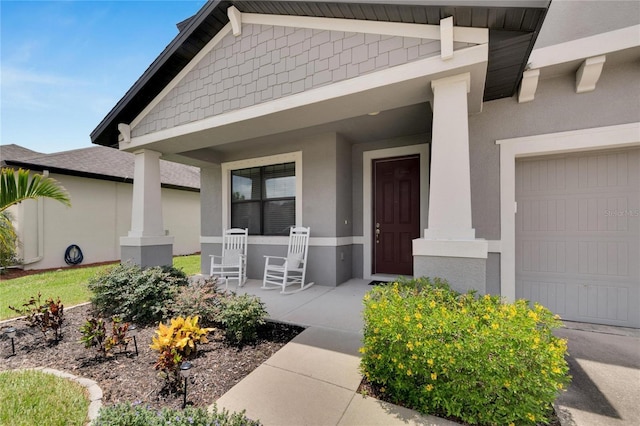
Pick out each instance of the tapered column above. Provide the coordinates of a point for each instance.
(146, 211)
(450, 183)
(449, 248)
(146, 243)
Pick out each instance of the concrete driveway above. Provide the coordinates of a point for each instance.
(605, 365)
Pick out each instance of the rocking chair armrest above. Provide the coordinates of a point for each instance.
(215, 256)
(268, 259)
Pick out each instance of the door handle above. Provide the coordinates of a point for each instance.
(377, 233)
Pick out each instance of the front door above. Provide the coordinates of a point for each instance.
(396, 216)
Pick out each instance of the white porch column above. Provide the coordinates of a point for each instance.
(146, 210)
(146, 243)
(449, 249)
(450, 183)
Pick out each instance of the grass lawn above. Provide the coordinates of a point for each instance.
(36, 398)
(68, 284)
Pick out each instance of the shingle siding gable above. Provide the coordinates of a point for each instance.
(271, 62)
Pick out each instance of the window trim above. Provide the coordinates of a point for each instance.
(291, 157)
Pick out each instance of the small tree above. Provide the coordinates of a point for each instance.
(15, 187)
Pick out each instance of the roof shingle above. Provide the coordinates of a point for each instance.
(97, 162)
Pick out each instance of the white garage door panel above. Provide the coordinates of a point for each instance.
(578, 235)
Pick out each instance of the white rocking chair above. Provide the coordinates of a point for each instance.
(281, 272)
(233, 262)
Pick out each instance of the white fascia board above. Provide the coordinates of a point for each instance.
(400, 29)
(409, 71)
(586, 47)
(182, 74)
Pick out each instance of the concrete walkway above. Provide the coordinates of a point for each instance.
(314, 378)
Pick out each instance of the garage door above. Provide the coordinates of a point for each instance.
(578, 235)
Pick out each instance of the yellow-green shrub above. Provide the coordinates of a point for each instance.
(478, 359)
(177, 342)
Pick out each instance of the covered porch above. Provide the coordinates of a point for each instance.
(332, 102)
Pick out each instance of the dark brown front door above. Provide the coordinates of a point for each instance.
(396, 219)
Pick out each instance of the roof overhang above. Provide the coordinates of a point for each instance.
(513, 28)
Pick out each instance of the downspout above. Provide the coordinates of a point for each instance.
(40, 229)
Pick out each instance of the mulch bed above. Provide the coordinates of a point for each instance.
(126, 377)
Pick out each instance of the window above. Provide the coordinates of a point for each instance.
(263, 199)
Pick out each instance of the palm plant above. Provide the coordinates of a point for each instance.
(18, 186)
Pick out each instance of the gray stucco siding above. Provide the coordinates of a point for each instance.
(571, 20)
(556, 108)
(211, 201)
(269, 62)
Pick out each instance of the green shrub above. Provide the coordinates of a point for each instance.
(135, 294)
(241, 316)
(477, 359)
(137, 415)
(200, 298)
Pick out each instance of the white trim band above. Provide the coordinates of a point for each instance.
(146, 241)
(586, 47)
(451, 248)
(283, 241)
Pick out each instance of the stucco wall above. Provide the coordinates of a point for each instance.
(211, 201)
(270, 62)
(572, 19)
(556, 108)
(326, 204)
(100, 214)
(319, 182)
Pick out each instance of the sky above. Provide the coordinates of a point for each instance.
(65, 64)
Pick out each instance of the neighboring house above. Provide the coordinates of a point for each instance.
(495, 144)
(99, 181)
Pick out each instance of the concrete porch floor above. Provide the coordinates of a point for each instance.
(338, 308)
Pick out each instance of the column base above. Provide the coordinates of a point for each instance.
(462, 263)
(147, 251)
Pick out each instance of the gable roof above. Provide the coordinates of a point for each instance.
(513, 28)
(98, 162)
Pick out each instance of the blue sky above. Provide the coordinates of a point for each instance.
(65, 64)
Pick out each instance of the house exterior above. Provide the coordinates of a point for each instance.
(494, 144)
(99, 181)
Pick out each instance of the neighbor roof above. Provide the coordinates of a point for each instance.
(98, 162)
(513, 28)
